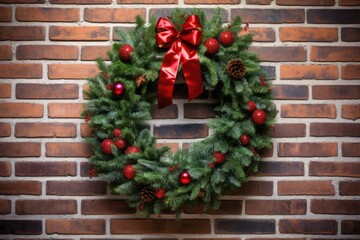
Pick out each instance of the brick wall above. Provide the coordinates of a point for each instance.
(308, 185)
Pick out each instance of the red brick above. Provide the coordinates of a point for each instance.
(155, 226)
(38, 169)
(318, 72)
(336, 92)
(333, 16)
(40, 14)
(307, 226)
(349, 3)
(169, 112)
(263, 34)
(85, 130)
(111, 15)
(290, 92)
(21, 70)
(254, 188)
(80, 2)
(310, 187)
(277, 168)
(187, 131)
(211, 1)
(349, 188)
(22, 33)
(308, 149)
(289, 130)
(5, 129)
(350, 72)
(20, 149)
(21, 110)
(259, 2)
(350, 111)
(22, 1)
(72, 71)
(75, 226)
(21, 227)
(91, 53)
(5, 51)
(335, 206)
(174, 147)
(308, 34)
(350, 227)
(306, 2)
(275, 207)
(334, 169)
(270, 16)
(5, 206)
(280, 54)
(308, 111)
(26, 187)
(350, 34)
(335, 54)
(227, 207)
(147, 1)
(5, 169)
(105, 207)
(85, 168)
(5, 14)
(199, 110)
(47, 91)
(79, 33)
(245, 226)
(65, 110)
(59, 130)
(68, 149)
(46, 52)
(351, 149)
(5, 90)
(75, 188)
(25, 207)
(335, 129)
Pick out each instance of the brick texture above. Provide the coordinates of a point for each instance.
(25, 207)
(75, 226)
(38, 169)
(46, 52)
(39, 14)
(48, 91)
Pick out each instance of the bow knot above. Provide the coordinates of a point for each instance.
(182, 50)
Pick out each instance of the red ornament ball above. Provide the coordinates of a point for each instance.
(160, 193)
(212, 46)
(245, 140)
(129, 171)
(132, 149)
(259, 117)
(118, 89)
(251, 106)
(219, 157)
(120, 144)
(125, 52)
(185, 178)
(226, 38)
(106, 146)
(117, 132)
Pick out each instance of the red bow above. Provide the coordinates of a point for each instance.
(182, 50)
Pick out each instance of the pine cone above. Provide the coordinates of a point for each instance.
(147, 194)
(140, 80)
(236, 68)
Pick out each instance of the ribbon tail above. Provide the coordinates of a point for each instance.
(192, 71)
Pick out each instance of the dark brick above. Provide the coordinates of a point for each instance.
(349, 188)
(105, 206)
(227, 207)
(263, 34)
(336, 92)
(308, 111)
(275, 207)
(85, 168)
(350, 34)
(5, 207)
(42, 130)
(280, 54)
(349, 3)
(244, 226)
(169, 112)
(338, 169)
(289, 130)
(350, 227)
(47, 91)
(270, 16)
(334, 129)
(309, 187)
(46, 52)
(199, 110)
(20, 149)
(351, 149)
(290, 92)
(178, 131)
(350, 72)
(254, 188)
(270, 72)
(305, 226)
(37, 169)
(75, 226)
(306, 2)
(335, 206)
(277, 168)
(307, 149)
(5, 169)
(21, 227)
(80, 2)
(333, 16)
(335, 54)
(24, 207)
(20, 187)
(75, 188)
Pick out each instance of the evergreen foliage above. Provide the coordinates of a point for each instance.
(158, 168)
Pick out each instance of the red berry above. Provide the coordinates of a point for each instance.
(120, 144)
(125, 52)
(116, 132)
(245, 140)
(259, 117)
(212, 46)
(185, 178)
(160, 193)
(251, 106)
(106, 146)
(226, 38)
(129, 171)
(132, 149)
(219, 157)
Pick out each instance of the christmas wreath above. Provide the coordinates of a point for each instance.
(143, 66)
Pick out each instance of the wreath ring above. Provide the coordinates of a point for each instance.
(121, 95)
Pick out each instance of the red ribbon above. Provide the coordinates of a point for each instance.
(182, 50)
